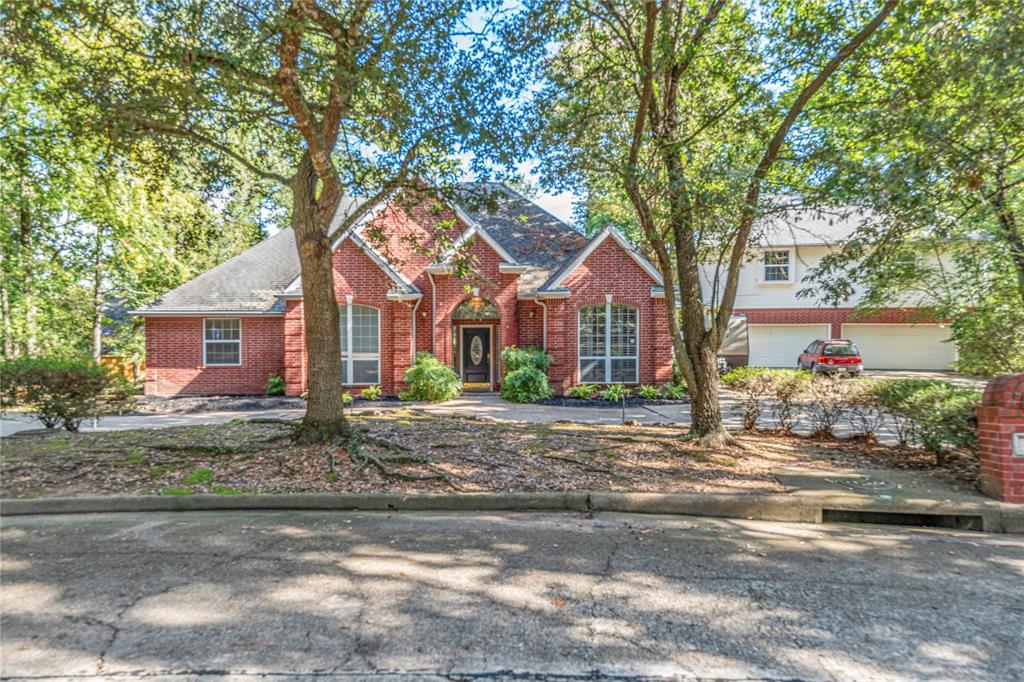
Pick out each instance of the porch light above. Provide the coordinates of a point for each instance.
(476, 302)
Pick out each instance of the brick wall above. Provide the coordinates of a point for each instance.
(531, 324)
(834, 316)
(174, 358)
(608, 270)
(1000, 416)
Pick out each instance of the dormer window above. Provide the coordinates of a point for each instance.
(777, 266)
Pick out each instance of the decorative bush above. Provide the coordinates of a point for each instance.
(615, 393)
(826, 399)
(674, 391)
(372, 392)
(936, 412)
(62, 392)
(347, 399)
(648, 392)
(428, 379)
(515, 359)
(754, 386)
(526, 385)
(583, 391)
(787, 390)
(778, 389)
(275, 385)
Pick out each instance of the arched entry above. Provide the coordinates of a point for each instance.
(475, 325)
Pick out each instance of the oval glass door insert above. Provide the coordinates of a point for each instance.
(476, 350)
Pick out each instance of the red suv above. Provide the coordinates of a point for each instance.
(831, 355)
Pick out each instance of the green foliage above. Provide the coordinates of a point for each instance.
(372, 392)
(941, 414)
(428, 379)
(62, 392)
(648, 392)
(275, 385)
(674, 391)
(517, 358)
(760, 388)
(176, 491)
(199, 476)
(347, 399)
(528, 384)
(615, 393)
(584, 391)
(990, 337)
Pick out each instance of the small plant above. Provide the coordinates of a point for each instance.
(648, 392)
(305, 394)
(674, 391)
(584, 391)
(827, 399)
(226, 490)
(429, 379)
(752, 383)
(275, 385)
(517, 358)
(615, 393)
(787, 388)
(372, 392)
(177, 492)
(526, 385)
(347, 399)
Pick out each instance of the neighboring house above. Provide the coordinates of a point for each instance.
(594, 304)
(780, 324)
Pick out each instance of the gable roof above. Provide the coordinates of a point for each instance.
(555, 281)
(796, 225)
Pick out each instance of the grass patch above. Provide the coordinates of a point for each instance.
(158, 471)
(199, 476)
(227, 490)
(177, 492)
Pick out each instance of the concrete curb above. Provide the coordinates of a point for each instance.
(801, 508)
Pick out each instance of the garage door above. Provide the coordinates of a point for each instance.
(779, 345)
(895, 346)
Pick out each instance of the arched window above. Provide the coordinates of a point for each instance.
(476, 308)
(360, 344)
(608, 344)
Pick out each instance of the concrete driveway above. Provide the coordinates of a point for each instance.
(539, 596)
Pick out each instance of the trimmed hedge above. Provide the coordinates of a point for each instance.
(515, 358)
(62, 392)
(526, 385)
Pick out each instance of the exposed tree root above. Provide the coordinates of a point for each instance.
(293, 423)
(719, 438)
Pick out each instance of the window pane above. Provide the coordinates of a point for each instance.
(592, 371)
(223, 330)
(592, 341)
(624, 371)
(222, 353)
(365, 371)
(776, 266)
(343, 325)
(623, 341)
(365, 337)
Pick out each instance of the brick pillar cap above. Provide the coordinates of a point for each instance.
(1006, 390)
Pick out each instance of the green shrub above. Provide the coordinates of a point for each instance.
(760, 388)
(583, 391)
(517, 358)
(347, 399)
(615, 393)
(648, 392)
(430, 380)
(674, 391)
(937, 413)
(62, 392)
(372, 392)
(275, 385)
(526, 385)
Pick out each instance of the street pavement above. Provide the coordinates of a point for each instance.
(315, 595)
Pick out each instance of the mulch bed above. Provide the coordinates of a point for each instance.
(631, 401)
(472, 455)
(149, 405)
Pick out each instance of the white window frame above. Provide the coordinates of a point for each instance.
(237, 341)
(789, 265)
(348, 357)
(607, 357)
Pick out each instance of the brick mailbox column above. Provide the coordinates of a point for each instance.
(1001, 432)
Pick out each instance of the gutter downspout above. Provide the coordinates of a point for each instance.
(413, 344)
(544, 334)
(433, 313)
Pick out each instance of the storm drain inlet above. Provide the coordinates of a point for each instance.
(952, 521)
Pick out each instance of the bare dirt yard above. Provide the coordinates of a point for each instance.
(423, 453)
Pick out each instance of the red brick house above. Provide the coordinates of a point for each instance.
(594, 304)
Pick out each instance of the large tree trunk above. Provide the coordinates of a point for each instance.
(325, 417)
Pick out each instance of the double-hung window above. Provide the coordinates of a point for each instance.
(608, 348)
(777, 266)
(360, 344)
(222, 341)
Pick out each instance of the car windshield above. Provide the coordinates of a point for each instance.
(844, 349)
